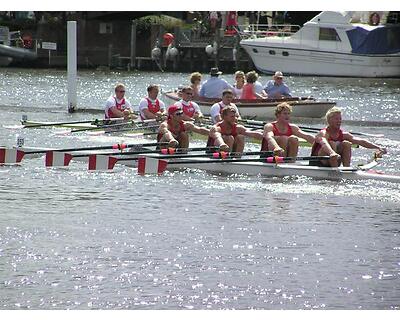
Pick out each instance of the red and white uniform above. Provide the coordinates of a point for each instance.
(188, 108)
(224, 132)
(174, 132)
(216, 110)
(317, 146)
(121, 105)
(277, 133)
(153, 106)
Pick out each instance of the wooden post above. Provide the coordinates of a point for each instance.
(110, 46)
(133, 44)
(217, 40)
(71, 65)
(177, 41)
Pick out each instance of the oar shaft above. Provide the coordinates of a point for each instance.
(114, 146)
(164, 151)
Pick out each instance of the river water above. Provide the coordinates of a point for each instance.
(70, 239)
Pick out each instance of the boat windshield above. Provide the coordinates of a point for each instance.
(381, 40)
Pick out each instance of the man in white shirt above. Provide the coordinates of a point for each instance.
(216, 109)
(151, 107)
(117, 106)
(191, 109)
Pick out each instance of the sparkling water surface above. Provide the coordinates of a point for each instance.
(190, 239)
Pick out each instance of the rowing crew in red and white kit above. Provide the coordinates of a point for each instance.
(280, 136)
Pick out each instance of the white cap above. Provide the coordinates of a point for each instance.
(278, 74)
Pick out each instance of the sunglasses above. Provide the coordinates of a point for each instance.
(188, 93)
(121, 90)
(179, 113)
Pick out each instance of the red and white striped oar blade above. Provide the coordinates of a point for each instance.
(57, 159)
(101, 162)
(149, 165)
(9, 156)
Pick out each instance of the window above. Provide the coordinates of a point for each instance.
(285, 53)
(328, 34)
(272, 52)
(255, 50)
(105, 27)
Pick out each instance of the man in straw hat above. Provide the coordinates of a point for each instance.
(213, 87)
(276, 88)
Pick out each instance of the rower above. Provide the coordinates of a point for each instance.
(336, 143)
(281, 136)
(228, 135)
(117, 106)
(151, 107)
(216, 109)
(175, 130)
(191, 109)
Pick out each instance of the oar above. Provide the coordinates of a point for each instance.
(149, 165)
(119, 146)
(52, 124)
(106, 161)
(12, 156)
(378, 135)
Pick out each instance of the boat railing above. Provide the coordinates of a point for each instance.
(265, 30)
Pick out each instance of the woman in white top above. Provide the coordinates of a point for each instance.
(239, 83)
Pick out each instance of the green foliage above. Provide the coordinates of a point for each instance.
(169, 23)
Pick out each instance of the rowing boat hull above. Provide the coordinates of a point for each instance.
(285, 170)
(264, 109)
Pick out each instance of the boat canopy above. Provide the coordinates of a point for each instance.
(381, 40)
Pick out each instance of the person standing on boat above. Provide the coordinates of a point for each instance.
(216, 109)
(151, 107)
(281, 136)
(117, 106)
(249, 89)
(195, 80)
(191, 110)
(213, 87)
(240, 80)
(175, 130)
(276, 88)
(228, 135)
(335, 142)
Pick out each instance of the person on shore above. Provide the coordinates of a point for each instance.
(117, 106)
(195, 80)
(228, 135)
(276, 88)
(191, 110)
(240, 80)
(336, 143)
(175, 130)
(216, 109)
(249, 90)
(213, 87)
(151, 107)
(281, 136)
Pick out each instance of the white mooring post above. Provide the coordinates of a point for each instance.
(72, 65)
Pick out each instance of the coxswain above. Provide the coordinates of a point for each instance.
(151, 107)
(117, 106)
(336, 143)
(216, 109)
(228, 135)
(281, 136)
(191, 110)
(175, 130)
